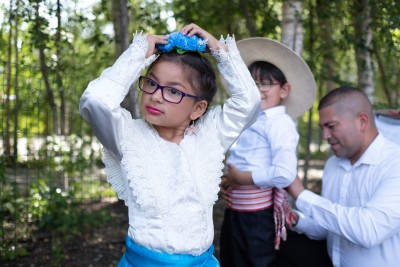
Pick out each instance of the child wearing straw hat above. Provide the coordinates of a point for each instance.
(263, 160)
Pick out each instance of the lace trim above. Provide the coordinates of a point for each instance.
(210, 156)
(180, 197)
(222, 56)
(141, 43)
(140, 181)
(139, 40)
(114, 175)
(198, 159)
(232, 67)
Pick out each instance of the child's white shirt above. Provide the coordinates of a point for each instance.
(268, 149)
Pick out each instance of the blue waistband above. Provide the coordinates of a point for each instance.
(138, 256)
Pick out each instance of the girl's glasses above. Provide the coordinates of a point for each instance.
(169, 94)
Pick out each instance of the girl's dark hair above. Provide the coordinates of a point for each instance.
(262, 71)
(195, 64)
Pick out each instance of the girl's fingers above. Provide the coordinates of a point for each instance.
(163, 39)
(158, 39)
(191, 29)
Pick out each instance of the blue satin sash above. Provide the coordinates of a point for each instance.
(138, 256)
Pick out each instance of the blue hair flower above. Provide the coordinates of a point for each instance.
(183, 43)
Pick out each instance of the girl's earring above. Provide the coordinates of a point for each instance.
(191, 129)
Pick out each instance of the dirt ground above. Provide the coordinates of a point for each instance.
(100, 247)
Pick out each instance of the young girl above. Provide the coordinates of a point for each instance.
(167, 166)
(263, 160)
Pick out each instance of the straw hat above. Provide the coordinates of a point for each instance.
(296, 71)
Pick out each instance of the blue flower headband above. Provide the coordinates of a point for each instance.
(183, 43)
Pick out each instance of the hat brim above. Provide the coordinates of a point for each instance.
(296, 71)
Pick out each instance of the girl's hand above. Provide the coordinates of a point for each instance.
(212, 42)
(153, 40)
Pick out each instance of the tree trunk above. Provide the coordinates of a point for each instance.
(16, 81)
(121, 25)
(60, 85)
(122, 41)
(292, 26)
(328, 71)
(309, 136)
(382, 73)
(363, 46)
(249, 21)
(328, 54)
(43, 68)
(49, 90)
(292, 36)
(7, 141)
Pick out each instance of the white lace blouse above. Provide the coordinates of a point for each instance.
(169, 189)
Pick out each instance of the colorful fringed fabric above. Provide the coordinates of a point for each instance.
(283, 213)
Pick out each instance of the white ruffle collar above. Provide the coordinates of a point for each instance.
(160, 173)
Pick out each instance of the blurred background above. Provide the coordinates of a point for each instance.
(56, 207)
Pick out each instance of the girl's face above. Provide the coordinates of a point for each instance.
(169, 118)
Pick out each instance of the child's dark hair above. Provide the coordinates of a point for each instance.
(265, 71)
(193, 63)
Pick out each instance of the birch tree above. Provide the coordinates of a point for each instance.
(16, 81)
(293, 36)
(6, 140)
(363, 46)
(292, 26)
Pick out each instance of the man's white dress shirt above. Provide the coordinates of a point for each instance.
(359, 211)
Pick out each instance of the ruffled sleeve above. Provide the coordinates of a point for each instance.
(100, 103)
(100, 106)
(241, 109)
(114, 175)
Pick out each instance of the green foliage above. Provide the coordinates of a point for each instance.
(10, 208)
(311, 140)
(64, 170)
(264, 15)
(386, 27)
(52, 208)
(45, 208)
(91, 190)
(57, 210)
(46, 205)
